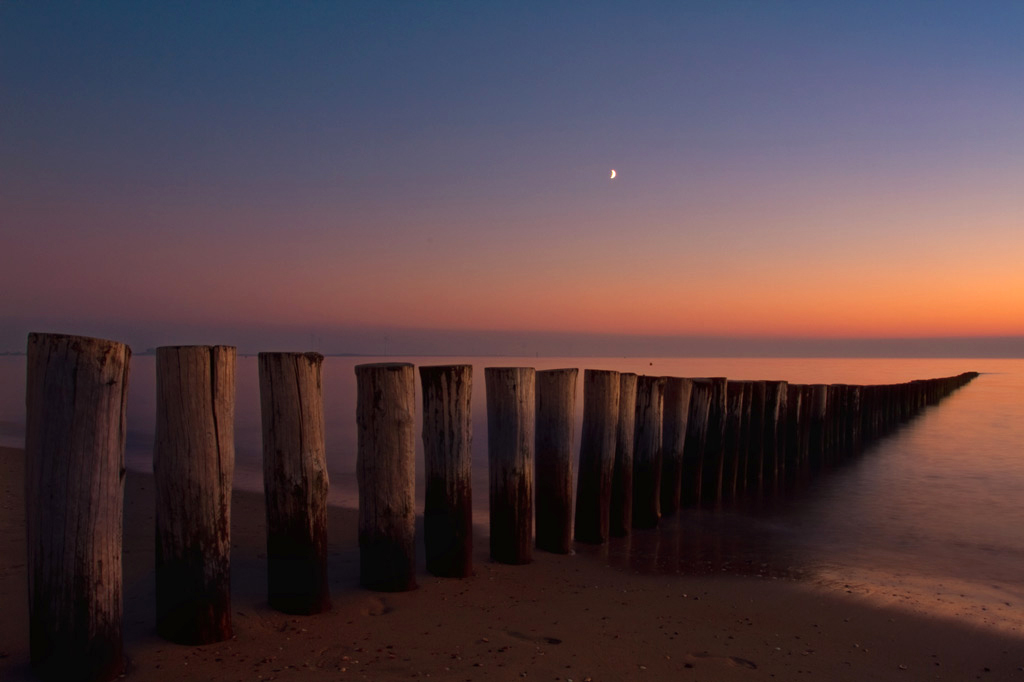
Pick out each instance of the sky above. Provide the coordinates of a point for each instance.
(411, 177)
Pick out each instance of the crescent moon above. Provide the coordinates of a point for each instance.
(613, 175)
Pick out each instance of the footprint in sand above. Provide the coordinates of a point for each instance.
(533, 638)
(375, 606)
(728, 660)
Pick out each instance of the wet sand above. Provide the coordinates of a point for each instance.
(560, 618)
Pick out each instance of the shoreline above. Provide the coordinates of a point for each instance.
(559, 618)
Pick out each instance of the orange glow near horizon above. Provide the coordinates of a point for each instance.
(790, 172)
(794, 273)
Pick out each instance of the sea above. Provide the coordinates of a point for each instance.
(929, 519)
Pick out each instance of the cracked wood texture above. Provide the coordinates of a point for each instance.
(510, 441)
(744, 444)
(650, 403)
(673, 439)
(76, 389)
(448, 456)
(774, 431)
(597, 455)
(386, 475)
(712, 471)
(734, 392)
(193, 466)
(620, 509)
(553, 451)
(295, 481)
(794, 407)
(755, 455)
(817, 426)
(696, 440)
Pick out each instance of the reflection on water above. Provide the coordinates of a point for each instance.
(929, 517)
(701, 543)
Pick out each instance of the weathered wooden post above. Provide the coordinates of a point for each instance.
(75, 398)
(835, 415)
(712, 469)
(733, 435)
(597, 455)
(774, 429)
(295, 481)
(885, 412)
(447, 458)
(743, 469)
(620, 515)
(794, 405)
(869, 413)
(193, 464)
(755, 461)
(846, 421)
(510, 441)
(842, 418)
(804, 425)
(854, 406)
(818, 425)
(895, 406)
(556, 411)
(673, 439)
(650, 401)
(386, 475)
(696, 438)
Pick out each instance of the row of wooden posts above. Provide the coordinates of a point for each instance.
(649, 446)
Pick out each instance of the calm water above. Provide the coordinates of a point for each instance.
(931, 518)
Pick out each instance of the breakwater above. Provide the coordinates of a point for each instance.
(734, 455)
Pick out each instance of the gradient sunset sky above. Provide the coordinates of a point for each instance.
(434, 176)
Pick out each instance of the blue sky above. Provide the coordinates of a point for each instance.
(411, 165)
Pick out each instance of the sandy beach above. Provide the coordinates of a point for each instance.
(561, 618)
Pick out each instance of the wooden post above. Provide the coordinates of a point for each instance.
(75, 398)
(869, 412)
(818, 425)
(553, 450)
(834, 416)
(807, 392)
(774, 413)
(597, 454)
(854, 406)
(510, 441)
(295, 481)
(742, 473)
(712, 469)
(386, 475)
(620, 515)
(794, 405)
(842, 415)
(696, 439)
(733, 437)
(448, 456)
(755, 460)
(193, 465)
(650, 401)
(673, 438)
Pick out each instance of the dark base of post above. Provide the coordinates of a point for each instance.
(448, 536)
(646, 488)
(386, 565)
(190, 611)
(588, 527)
(69, 658)
(511, 539)
(297, 574)
(620, 509)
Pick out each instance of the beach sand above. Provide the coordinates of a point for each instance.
(560, 618)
